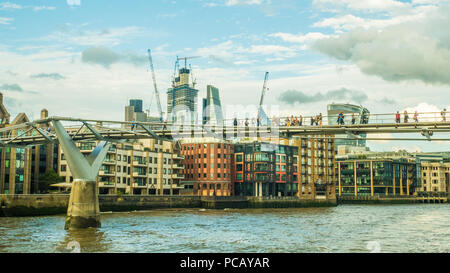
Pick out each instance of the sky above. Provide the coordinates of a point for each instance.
(86, 58)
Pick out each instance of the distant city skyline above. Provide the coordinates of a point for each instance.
(60, 55)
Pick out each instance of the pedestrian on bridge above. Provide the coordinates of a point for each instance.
(320, 119)
(405, 116)
(416, 116)
(340, 119)
(300, 120)
(364, 119)
(443, 112)
(312, 121)
(397, 117)
(353, 118)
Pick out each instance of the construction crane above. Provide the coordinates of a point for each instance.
(263, 93)
(154, 85)
(186, 58)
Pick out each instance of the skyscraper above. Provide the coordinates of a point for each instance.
(137, 105)
(212, 108)
(182, 99)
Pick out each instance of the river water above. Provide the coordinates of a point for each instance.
(345, 228)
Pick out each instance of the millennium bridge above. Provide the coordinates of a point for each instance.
(83, 210)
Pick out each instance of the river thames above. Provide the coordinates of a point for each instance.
(345, 228)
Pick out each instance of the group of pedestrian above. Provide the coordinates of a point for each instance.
(416, 116)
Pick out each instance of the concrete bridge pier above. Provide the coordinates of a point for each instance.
(83, 209)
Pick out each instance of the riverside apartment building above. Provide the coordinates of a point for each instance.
(143, 167)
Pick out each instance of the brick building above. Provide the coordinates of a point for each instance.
(207, 167)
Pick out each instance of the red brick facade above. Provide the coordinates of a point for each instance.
(209, 167)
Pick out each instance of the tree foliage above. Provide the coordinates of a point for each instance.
(48, 178)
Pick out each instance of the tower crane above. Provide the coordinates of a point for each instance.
(186, 58)
(263, 93)
(154, 85)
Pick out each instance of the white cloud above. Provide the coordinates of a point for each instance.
(38, 8)
(8, 5)
(411, 50)
(271, 50)
(299, 38)
(243, 2)
(5, 20)
(349, 21)
(74, 2)
(107, 37)
(362, 5)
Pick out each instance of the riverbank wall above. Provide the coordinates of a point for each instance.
(391, 200)
(50, 204)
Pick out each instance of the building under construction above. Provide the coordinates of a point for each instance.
(182, 99)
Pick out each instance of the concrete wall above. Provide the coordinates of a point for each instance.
(49, 204)
(289, 202)
(142, 202)
(33, 204)
(390, 200)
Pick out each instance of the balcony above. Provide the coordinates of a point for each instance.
(137, 163)
(109, 161)
(106, 184)
(106, 172)
(177, 176)
(178, 166)
(176, 156)
(136, 174)
(139, 185)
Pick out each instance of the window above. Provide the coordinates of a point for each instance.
(238, 158)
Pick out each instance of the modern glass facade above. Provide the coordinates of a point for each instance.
(265, 169)
(137, 104)
(376, 177)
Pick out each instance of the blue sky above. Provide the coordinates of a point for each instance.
(86, 58)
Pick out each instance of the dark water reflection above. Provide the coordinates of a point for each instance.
(399, 228)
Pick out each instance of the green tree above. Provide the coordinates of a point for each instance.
(48, 178)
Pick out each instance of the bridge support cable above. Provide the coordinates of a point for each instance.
(43, 133)
(83, 210)
(148, 130)
(95, 132)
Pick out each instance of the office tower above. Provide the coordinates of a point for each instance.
(212, 108)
